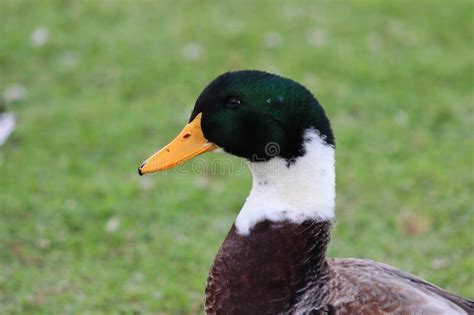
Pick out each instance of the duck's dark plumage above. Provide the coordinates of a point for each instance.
(261, 273)
(281, 268)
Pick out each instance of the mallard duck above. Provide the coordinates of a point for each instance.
(273, 261)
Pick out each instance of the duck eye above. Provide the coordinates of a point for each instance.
(232, 102)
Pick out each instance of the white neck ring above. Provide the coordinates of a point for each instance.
(303, 190)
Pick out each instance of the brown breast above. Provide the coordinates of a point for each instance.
(263, 272)
(280, 268)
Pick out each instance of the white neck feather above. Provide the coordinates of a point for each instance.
(304, 190)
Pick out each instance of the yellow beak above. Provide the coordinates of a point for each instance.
(189, 143)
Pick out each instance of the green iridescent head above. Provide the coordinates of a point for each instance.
(245, 111)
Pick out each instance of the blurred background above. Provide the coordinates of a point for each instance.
(92, 88)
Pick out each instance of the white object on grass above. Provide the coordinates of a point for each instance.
(7, 125)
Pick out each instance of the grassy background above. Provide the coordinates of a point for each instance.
(81, 233)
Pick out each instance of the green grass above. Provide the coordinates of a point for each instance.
(111, 85)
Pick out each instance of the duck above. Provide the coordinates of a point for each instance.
(273, 260)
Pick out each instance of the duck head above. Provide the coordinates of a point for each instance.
(251, 114)
(280, 128)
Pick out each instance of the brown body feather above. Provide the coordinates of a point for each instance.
(281, 268)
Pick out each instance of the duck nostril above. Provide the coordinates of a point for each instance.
(186, 136)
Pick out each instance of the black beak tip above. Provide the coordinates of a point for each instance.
(140, 169)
